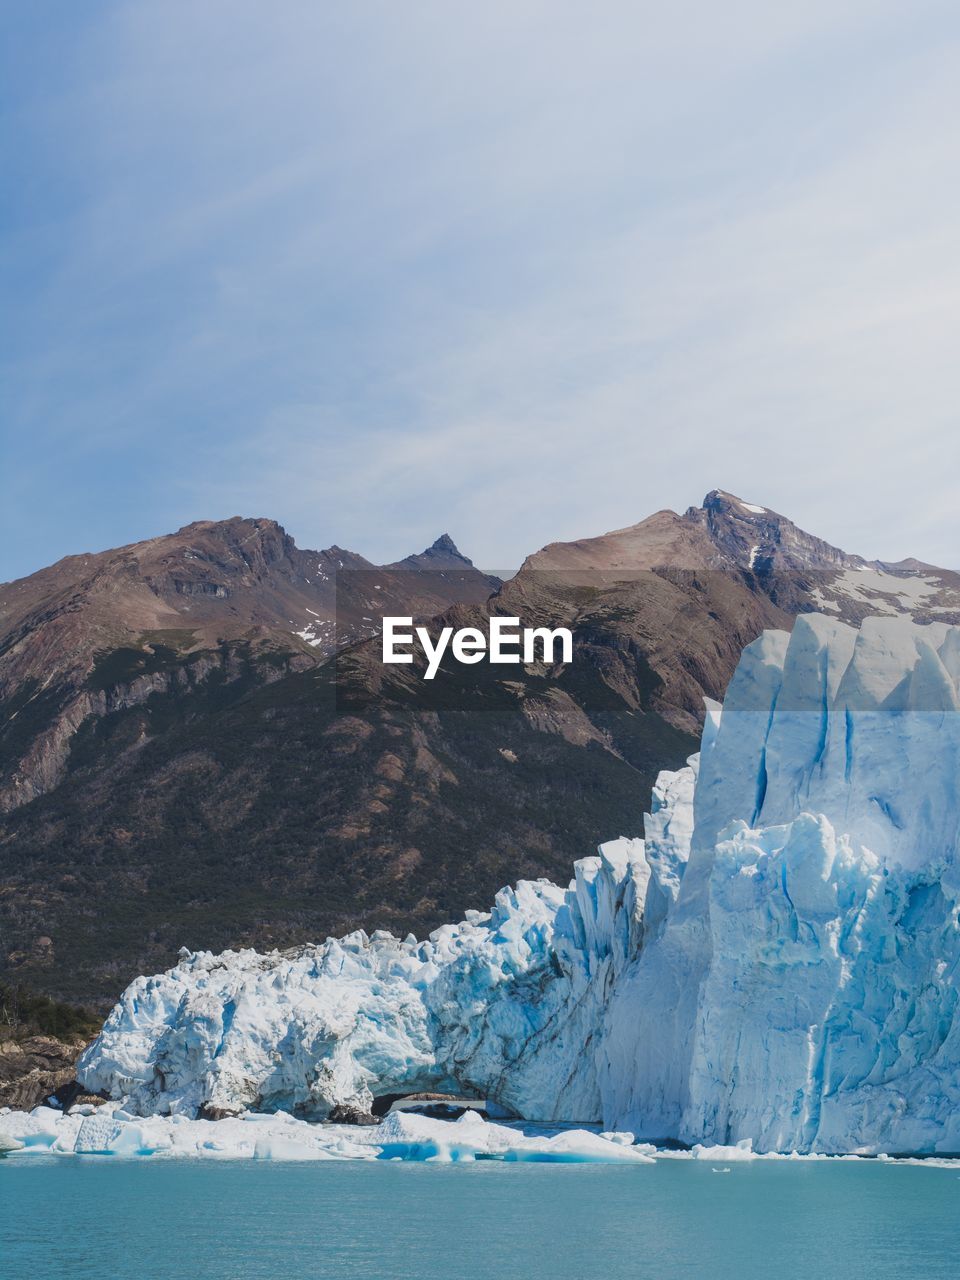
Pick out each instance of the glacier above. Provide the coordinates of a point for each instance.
(501, 1004)
(774, 964)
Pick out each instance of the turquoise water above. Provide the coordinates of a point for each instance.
(119, 1220)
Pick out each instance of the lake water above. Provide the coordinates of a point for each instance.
(120, 1220)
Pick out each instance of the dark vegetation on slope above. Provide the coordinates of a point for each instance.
(240, 813)
(25, 1013)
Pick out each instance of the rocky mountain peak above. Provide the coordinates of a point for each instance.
(179, 599)
(442, 557)
(442, 554)
(232, 526)
(445, 545)
(758, 538)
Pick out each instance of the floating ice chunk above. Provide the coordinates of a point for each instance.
(108, 1135)
(41, 1130)
(409, 1136)
(580, 1145)
(740, 1151)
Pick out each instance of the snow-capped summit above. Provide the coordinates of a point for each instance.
(764, 539)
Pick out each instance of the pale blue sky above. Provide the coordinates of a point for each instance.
(520, 271)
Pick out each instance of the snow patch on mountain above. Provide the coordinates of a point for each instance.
(885, 593)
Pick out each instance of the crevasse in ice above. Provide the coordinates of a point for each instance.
(775, 961)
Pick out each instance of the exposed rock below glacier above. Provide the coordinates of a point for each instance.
(33, 1067)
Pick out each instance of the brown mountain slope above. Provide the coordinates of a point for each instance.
(225, 807)
(691, 590)
(95, 633)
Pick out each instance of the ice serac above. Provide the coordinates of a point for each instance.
(775, 963)
(803, 992)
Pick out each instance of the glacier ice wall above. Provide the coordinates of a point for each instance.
(803, 990)
(776, 960)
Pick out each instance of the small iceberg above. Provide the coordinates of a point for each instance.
(406, 1135)
(743, 1150)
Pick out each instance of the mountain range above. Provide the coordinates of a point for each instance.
(200, 746)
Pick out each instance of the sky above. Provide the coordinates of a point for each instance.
(516, 271)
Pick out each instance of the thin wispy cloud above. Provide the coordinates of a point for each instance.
(523, 273)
